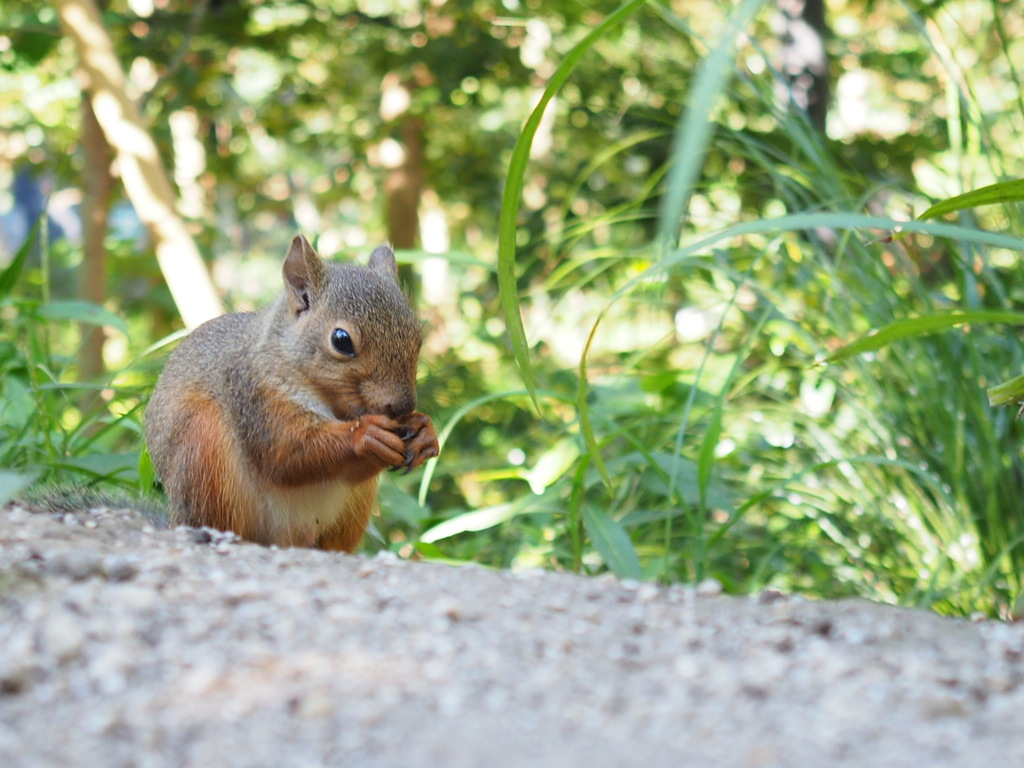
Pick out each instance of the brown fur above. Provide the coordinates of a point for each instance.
(259, 426)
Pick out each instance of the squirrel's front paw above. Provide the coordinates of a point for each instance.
(420, 440)
(375, 438)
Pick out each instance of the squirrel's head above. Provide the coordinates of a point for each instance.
(351, 332)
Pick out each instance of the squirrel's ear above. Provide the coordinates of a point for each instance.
(304, 273)
(382, 261)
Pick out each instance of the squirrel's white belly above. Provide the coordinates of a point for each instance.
(296, 516)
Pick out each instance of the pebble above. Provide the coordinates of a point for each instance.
(449, 607)
(710, 587)
(119, 568)
(315, 704)
(77, 564)
(938, 704)
(62, 636)
(770, 595)
(648, 592)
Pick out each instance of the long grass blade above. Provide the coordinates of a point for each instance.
(1004, 192)
(514, 182)
(923, 326)
(695, 127)
(9, 276)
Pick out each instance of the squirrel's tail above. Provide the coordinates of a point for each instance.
(58, 498)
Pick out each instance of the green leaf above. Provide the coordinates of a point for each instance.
(1004, 192)
(514, 183)
(18, 405)
(147, 472)
(9, 276)
(612, 543)
(553, 464)
(33, 46)
(103, 465)
(671, 475)
(923, 326)
(82, 312)
(1008, 393)
(478, 520)
(429, 551)
(401, 506)
(12, 483)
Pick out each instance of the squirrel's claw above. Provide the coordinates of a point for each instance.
(406, 433)
(417, 433)
(406, 465)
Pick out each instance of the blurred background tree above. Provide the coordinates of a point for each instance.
(729, 450)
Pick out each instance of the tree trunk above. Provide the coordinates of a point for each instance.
(403, 187)
(801, 26)
(144, 176)
(97, 187)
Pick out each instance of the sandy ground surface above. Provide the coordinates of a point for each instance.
(121, 645)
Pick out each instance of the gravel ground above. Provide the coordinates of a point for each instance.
(121, 645)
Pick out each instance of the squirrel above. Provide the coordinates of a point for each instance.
(275, 424)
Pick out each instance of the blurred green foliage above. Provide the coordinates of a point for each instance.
(51, 427)
(687, 253)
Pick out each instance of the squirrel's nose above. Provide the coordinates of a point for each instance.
(388, 398)
(400, 406)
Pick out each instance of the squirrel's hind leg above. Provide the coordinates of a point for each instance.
(208, 484)
(348, 529)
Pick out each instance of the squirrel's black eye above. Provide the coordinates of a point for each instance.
(342, 342)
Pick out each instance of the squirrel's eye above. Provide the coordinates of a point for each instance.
(342, 342)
